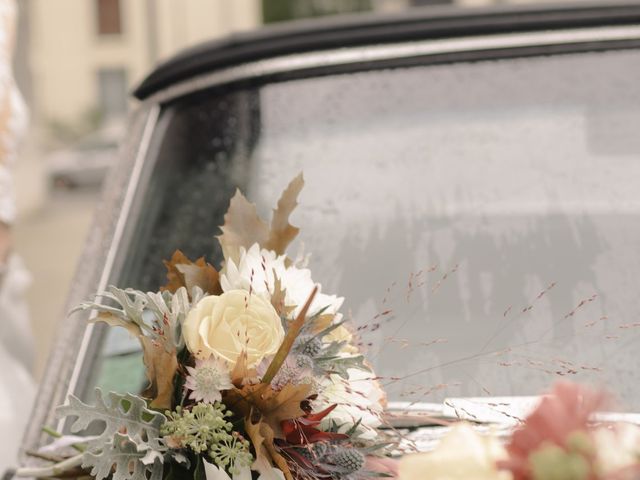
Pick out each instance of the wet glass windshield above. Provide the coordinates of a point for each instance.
(481, 220)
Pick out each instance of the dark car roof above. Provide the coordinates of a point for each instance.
(363, 29)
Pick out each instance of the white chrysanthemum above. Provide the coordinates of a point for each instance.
(208, 379)
(256, 271)
(357, 398)
(298, 284)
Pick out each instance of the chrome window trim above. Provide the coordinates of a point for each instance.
(107, 271)
(385, 52)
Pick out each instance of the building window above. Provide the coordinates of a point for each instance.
(112, 86)
(109, 19)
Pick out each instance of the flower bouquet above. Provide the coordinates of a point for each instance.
(253, 372)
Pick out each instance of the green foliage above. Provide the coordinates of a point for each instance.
(231, 453)
(333, 363)
(205, 429)
(551, 462)
(282, 10)
(119, 413)
(329, 357)
(124, 459)
(199, 428)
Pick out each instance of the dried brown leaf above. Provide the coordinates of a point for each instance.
(240, 370)
(278, 298)
(274, 406)
(161, 365)
(200, 274)
(284, 405)
(161, 371)
(115, 321)
(262, 439)
(175, 279)
(242, 227)
(278, 459)
(282, 232)
(182, 272)
(254, 431)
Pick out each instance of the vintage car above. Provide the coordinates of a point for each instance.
(472, 187)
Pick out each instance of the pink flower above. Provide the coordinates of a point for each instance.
(384, 465)
(563, 412)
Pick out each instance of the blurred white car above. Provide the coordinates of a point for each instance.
(87, 162)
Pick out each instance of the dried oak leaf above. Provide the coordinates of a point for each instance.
(115, 321)
(273, 406)
(242, 373)
(182, 272)
(161, 367)
(242, 227)
(282, 232)
(262, 439)
(278, 298)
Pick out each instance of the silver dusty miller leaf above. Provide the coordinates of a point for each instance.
(150, 312)
(118, 413)
(123, 459)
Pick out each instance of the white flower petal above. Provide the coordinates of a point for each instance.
(460, 455)
(213, 472)
(617, 446)
(151, 457)
(267, 472)
(243, 474)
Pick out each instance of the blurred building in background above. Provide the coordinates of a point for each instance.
(76, 62)
(81, 58)
(85, 55)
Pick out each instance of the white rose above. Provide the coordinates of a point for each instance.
(228, 324)
(462, 454)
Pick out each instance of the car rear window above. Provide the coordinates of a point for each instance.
(482, 219)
